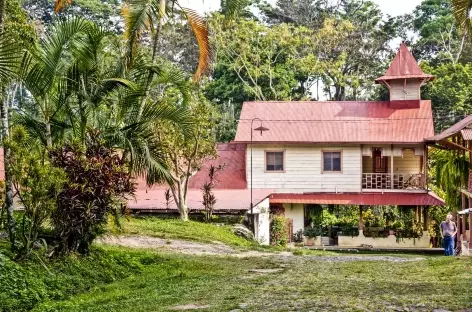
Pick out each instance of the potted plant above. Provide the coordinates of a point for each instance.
(298, 238)
(396, 226)
(310, 235)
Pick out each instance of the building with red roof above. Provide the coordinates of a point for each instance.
(359, 153)
(294, 154)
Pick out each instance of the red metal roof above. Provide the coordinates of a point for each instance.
(454, 129)
(227, 200)
(403, 199)
(404, 66)
(335, 122)
(233, 176)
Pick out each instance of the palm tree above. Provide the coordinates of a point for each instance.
(10, 55)
(462, 11)
(79, 79)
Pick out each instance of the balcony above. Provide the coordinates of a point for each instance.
(396, 181)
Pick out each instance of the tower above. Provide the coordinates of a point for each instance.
(404, 79)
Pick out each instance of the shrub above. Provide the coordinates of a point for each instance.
(36, 184)
(278, 230)
(312, 232)
(98, 185)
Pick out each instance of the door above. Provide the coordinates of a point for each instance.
(380, 163)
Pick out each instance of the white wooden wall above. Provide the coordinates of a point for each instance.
(303, 169)
(296, 212)
(411, 92)
(409, 163)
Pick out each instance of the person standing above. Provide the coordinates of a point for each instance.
(448, 232)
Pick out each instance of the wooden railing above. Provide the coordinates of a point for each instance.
(401, 181)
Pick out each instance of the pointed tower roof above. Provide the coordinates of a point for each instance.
(404, 66)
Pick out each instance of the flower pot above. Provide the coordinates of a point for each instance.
(309, 241)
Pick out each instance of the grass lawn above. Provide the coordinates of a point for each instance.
(191, 230)
(304, 283)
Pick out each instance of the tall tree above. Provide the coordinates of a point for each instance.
(450, 93)
(439, 38)
(80, 79)
(261, 62)
(185, 153)
(9, 65)
(357, 59)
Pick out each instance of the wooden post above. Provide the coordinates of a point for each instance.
(470, 231)
(425, 218)
(361, 220)
(425, 164)
(391, 166)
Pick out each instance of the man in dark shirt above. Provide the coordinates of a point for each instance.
(448, 232)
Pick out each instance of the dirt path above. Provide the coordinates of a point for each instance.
(195, 248)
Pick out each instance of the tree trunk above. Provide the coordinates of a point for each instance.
(6, 150)
(183, 211)
(8, 183)
(48, 134)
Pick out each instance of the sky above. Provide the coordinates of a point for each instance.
(393, 8)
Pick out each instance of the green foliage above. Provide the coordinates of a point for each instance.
(185, 152)
(258, 62)
(328, 219)
(372, 219)
(278, 230)
(17, 25)
(312, 232)
(98, 186)
(351, 41)
(26, 284)
(451, 173)
(190, 230)
(440, 40)
(450, 93)
(37, 185)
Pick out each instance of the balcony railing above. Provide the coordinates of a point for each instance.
(401, 181)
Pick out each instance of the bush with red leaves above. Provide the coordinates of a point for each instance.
(98, 186)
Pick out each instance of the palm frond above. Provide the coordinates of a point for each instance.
(200, 29)
(231, 8)
(462, 12)
(139, 15)
(10, 58)
(61, 4)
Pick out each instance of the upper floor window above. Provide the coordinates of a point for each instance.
(332, 161)
(274, 161)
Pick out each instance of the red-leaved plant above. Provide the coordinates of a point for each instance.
(98, 186)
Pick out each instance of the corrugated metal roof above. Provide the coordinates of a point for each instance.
(335, 122)
(454, 129)
(403, 199)
(225, 199)
(233, 176)
(404, 66)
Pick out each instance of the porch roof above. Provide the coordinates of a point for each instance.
(226, 200)
(403, 199)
